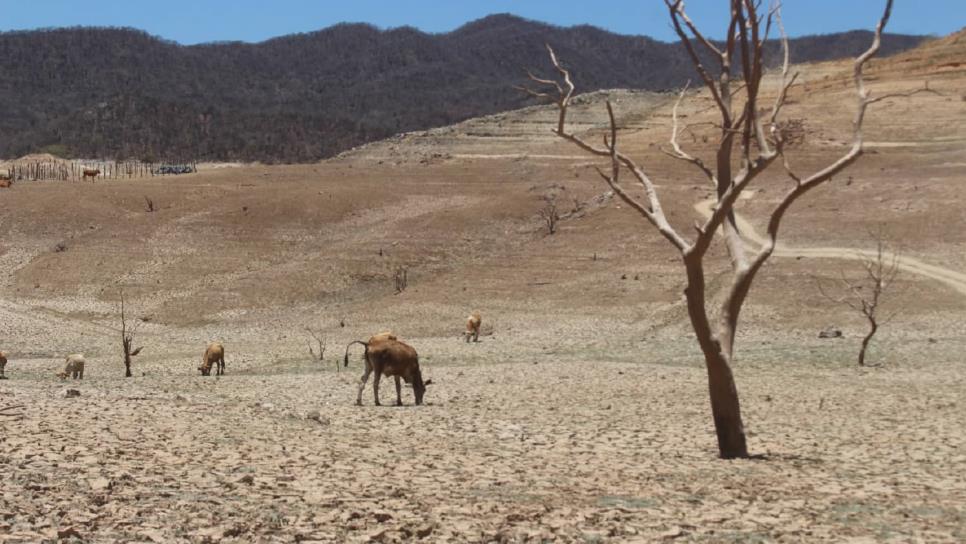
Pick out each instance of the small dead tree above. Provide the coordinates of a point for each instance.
(549, 214)
(400, 278)
(865, 295)
(127, 339)
(149, 205)
(320, 341)
(749, 141)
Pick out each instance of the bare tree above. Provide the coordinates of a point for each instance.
(149, 205)
(127, 339)
(549, 214)
(320, 341)
(745, 129)
(400, 278)
(865, 295)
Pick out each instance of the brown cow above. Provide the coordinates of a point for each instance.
(6, 180)
(74, 367)
(3, 364)
(214, 355)
(387, 356)
(91, 173)
(473, 327)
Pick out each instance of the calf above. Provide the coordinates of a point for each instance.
(473, 327)
(3, 364)
(74, 367)
(387, 356)
(214, 356)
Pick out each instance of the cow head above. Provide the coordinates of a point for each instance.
(419, 387)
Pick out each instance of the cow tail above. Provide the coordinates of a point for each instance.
(345, 360)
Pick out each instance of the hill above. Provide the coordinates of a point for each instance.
(110, 92)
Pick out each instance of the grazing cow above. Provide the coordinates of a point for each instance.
(214, 355)
(91, 173)
(387, 356)
(3, 364)
(74, 367)
(473, 327)
(6, 180)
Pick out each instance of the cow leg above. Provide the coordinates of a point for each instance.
(398, 392)
(375, 386)
(476, 335)
(362, 383)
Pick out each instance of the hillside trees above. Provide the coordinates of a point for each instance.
(120, 93)
(750, 140)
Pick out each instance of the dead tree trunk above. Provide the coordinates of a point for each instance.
(127, 339)
(751, 139)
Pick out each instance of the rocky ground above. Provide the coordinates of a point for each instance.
(525, 451)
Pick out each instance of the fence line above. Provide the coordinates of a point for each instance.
(35, 170)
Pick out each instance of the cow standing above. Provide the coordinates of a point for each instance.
(214, 356)
(91, 173)
(473, 323)
(387, 356)
(74, 367)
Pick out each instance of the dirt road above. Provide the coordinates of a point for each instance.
(952, 278)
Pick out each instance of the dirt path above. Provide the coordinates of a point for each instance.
(952, 278)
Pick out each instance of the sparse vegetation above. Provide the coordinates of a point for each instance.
(400, 279)
(319, 343)
(865, 295)
(549, 215)
(128, 333)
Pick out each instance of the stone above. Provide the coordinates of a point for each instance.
(830, 332)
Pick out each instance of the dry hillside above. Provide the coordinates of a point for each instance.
(582, 413)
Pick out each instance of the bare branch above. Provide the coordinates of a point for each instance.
(676, 9)
(679, 153)
(906, 94)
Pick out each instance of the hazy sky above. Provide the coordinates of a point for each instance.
(194, 21)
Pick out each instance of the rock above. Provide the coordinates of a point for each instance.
(382, 517)
(68, 532)
(71, 393)
(247, 479)
(314, 415)
(830, 332)
(425, 531)
(100, 484)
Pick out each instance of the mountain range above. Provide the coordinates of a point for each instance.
(121, 93)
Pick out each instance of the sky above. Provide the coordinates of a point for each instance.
(197, 21)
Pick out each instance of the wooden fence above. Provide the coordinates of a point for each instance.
(29, 170)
